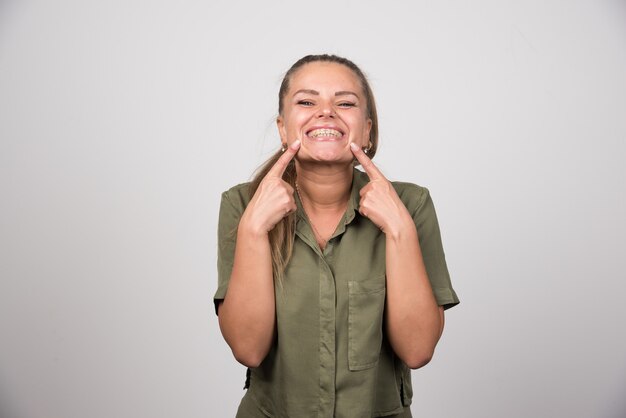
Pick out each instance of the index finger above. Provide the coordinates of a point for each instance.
(370, 168)
(279, 167)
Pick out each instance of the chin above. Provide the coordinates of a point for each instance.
(326, 157)
(328, 151)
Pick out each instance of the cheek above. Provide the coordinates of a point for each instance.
(295, 121)
(359, 127)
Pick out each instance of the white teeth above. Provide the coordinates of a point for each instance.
(325, 132)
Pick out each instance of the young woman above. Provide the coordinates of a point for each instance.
(332, 281)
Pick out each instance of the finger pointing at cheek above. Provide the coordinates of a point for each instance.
(370, 168)
(273, 199)
(281, 165)
(379, 200)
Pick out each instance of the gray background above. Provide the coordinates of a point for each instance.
(122, 121)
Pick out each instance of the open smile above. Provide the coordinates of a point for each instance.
(324, 134)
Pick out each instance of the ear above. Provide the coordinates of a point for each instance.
(280, 124)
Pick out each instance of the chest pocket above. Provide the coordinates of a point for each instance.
(366, 303)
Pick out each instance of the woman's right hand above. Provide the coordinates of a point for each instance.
(273, 199)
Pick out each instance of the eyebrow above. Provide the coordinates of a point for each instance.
(346, 93)
(316, 93)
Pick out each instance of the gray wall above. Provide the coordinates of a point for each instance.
(122, 121)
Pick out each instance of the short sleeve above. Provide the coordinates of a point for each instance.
(425, 219)
(230, 213)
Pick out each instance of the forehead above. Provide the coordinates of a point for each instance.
(325, 76)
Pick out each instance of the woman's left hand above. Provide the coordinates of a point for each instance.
(379, 200)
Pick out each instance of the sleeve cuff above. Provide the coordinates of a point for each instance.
(446, 297)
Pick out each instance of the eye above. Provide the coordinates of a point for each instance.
(305, 102)
(347, 104)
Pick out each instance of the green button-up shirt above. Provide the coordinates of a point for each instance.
(331, 357)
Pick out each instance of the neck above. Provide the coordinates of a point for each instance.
(325, 188)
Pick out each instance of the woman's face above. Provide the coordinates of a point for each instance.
(326, 109)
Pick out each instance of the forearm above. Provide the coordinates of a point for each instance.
(247, 315)
(414, 321)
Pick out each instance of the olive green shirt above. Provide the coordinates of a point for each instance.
(331, 357)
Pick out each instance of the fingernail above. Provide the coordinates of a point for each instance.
(295, 144)
(354, 146)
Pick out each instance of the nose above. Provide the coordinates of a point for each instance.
(326, 110)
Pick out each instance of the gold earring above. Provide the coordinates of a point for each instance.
(283, 148)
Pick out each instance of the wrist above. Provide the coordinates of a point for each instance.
(402, 230)
(247, 230)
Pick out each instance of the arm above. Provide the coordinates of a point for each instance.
(247, 315)
(414, 322)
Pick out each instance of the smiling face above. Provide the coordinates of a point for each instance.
(326, 109)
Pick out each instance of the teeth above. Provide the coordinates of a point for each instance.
(324, 132)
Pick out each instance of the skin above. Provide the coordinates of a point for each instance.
(327, 95)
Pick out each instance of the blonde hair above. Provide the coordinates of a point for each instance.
(282, 236)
